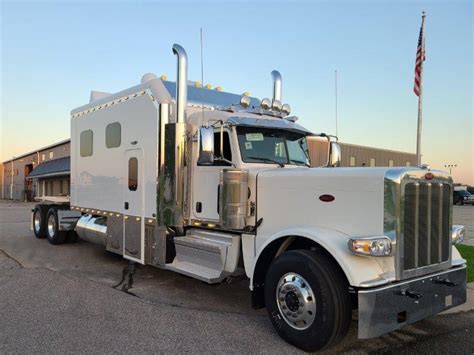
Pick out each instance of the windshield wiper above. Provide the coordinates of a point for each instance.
(268, 160)
(300, 162)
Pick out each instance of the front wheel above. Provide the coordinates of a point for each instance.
(307, 299)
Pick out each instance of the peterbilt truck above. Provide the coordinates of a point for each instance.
(215, 185)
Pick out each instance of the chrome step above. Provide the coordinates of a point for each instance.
(207, 256)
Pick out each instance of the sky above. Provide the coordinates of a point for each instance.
(54, 53)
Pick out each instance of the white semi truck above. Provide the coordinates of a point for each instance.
(214, 185)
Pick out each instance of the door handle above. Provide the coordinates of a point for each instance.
(126, 205)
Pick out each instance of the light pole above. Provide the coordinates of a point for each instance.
(450, 166)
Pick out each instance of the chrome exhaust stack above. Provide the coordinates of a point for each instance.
(276, 85)
(181, 83)
(174, 143)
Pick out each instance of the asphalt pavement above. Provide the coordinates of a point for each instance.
(57, 299)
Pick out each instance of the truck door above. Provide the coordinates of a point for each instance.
(133, 208)
(206, 182)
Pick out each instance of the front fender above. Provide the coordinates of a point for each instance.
(359, 270)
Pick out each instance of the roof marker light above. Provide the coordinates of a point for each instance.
(245, 101)
(285, 109)
(276, 105)
(266, 104)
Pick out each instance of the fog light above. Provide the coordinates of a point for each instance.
(457, 234)
(378, 246)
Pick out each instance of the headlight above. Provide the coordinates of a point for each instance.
(457, 234)
(378, 246)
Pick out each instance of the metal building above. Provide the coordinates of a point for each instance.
(358, 155)
(34, 174)
(46, 171)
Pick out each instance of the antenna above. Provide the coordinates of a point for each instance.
(202, 71)
(335, 92)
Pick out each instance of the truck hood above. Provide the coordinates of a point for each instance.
(294, 197)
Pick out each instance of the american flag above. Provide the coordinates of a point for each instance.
(420, 57)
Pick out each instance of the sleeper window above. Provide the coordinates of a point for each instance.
(113, 135)
(86, 142)
(133, 174)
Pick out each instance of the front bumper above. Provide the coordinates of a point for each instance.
(387, 308)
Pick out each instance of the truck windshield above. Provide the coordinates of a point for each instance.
(272, 146)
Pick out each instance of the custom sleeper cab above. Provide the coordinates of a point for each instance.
(214, 185)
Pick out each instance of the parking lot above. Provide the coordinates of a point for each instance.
(62, 299)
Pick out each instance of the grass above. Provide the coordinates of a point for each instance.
(467, 252)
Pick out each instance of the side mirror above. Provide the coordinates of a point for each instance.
(206, 146)
(335, 154)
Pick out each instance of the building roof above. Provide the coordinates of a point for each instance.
(65, 141)
(54, 167)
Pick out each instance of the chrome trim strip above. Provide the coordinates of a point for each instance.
(374, 283)
(440, 223)
(428, 225)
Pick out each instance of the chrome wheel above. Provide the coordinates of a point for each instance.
(37, 221)
(295, 300)
(51, 225)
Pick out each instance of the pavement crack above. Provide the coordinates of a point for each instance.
(11, 258)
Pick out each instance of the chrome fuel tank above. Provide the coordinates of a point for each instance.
(233, 194)
(92, 229)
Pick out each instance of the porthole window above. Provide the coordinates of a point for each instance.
(113, 135)
(86, 142)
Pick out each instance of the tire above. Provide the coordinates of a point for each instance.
(39, 221)
(326, 314)
(54, 235)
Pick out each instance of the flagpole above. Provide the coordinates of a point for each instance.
(420, 97)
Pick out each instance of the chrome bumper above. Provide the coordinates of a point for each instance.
(387, 308)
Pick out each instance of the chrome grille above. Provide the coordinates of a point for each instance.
(426, 225)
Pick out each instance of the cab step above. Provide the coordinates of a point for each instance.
(207, 256)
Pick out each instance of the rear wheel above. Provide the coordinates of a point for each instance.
(54, 235)
(39, 221)
(307, 299)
